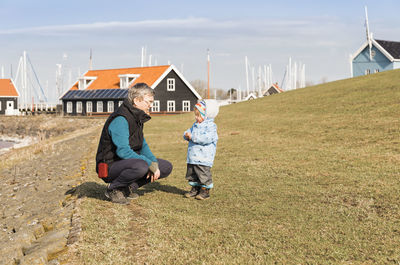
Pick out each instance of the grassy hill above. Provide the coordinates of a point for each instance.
(307, 176)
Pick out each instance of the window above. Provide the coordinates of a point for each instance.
(171, 84)
(99, 106)
(186, 105)
(89, 107)
(367, 72)
(85, 81)
(79, 107)
(376, 70)
(120, 103)
(170, 105)
(125, 81)
(110, 106)
(156, 106)
(69, 107)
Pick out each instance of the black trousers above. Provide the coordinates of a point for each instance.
(133, 172)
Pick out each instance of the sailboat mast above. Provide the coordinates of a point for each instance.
(208, 73)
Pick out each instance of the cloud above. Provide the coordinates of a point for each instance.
(186, 28)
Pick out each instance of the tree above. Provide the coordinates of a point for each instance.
(232, 93)
(200, 86)
(324, 80)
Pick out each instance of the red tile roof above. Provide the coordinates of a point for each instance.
(109, 78)
(278, 88)
(7, 88)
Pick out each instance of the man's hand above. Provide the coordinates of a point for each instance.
(154, 176)
(188, 135)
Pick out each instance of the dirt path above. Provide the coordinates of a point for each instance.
(36, 208)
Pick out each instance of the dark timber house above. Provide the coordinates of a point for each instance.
(102, 91)
(274, 89)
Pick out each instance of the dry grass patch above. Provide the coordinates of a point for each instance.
(307, 176)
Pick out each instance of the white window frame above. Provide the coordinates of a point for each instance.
(89, 107)
(85, 81)
(125, 81)
(0, 105)
(170, 105)
(99, 106)
(110, 106)
(69, 106)
(376, 71)
(170, 84)
(367, 71)
(156, 106)
(79, 107)
(120, 103)
(186, 105)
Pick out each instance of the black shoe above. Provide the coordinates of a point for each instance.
(203, 194)
(130, 193)
(193, 192)
(116, 196)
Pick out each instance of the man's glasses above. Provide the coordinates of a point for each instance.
(149, 102)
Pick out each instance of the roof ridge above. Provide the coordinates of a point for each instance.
(125, 68)
(388, 40)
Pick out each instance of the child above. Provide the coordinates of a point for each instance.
(202, 138)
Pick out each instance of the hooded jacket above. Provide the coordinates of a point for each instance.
(203, 144)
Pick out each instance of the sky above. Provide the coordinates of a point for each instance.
(320, 34)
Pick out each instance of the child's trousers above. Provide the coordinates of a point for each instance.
(199, 175)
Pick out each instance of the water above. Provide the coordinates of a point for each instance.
(5, 144)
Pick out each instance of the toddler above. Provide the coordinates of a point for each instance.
(202, 138)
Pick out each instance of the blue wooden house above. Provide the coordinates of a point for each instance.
(382, 56)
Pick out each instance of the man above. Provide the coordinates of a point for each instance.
(124, 160)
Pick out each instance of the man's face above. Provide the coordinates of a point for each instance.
(145, 103)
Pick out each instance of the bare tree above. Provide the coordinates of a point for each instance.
(324, 80)
(200, 86)
(232, 93)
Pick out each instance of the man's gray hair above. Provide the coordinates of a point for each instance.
(139, 91)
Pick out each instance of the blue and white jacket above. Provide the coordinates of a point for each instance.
(203, 145)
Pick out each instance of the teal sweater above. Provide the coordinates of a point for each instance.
(119, 132)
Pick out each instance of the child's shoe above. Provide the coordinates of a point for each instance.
(203, 194)
(193, 192)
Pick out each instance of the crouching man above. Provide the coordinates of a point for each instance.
(124, 159)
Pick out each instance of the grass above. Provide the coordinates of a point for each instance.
(305, 177)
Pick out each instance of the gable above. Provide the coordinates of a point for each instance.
(361, 52)
(7, 88)
(172, 68)
(378, 56)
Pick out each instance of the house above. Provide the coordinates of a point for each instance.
(8, 97)
(250, 96)
(375, 56)
(102, 91)
(274, 89)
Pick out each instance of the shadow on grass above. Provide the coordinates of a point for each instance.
(96, 190)
(157, 186)
(89, 189)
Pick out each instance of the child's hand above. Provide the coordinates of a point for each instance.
(188, 135)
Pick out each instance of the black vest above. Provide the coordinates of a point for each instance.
(106, 152)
